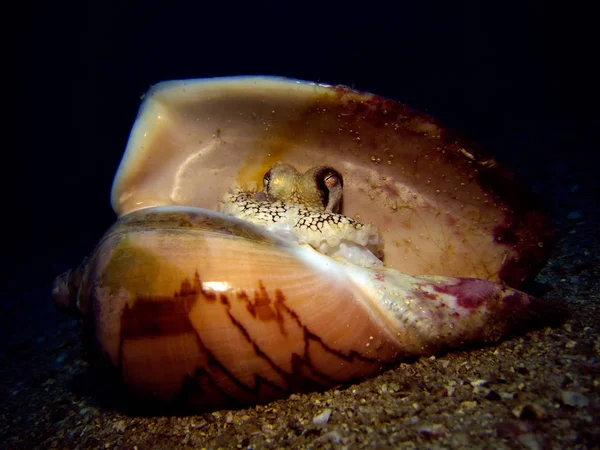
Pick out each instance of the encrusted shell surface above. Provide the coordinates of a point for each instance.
(442, 206)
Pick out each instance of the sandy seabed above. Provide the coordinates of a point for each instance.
(536, 390)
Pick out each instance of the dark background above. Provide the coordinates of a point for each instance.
(519, 77)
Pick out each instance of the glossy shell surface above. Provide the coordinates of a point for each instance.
(202, 310)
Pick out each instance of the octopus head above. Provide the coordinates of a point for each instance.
(319, 187)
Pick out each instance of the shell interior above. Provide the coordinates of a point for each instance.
(441, 205)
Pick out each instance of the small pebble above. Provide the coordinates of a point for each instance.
(60, 358)
(481, 391)
(196, 426)
(572, 398)
(531, 441)
(511, 429)
(323, 418)
(529, 411)
(435, 430)
(332, 436)
(479, 383)
(492, 395)
(120, 426)
(468, 405)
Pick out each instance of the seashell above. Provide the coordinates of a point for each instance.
(208, 292)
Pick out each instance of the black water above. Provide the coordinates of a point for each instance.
(519, 77)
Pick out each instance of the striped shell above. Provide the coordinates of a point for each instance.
(195, 307)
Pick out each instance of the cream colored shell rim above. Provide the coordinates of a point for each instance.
(180, 94)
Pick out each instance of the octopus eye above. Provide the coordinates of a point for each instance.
(267, 179)
(332, 179)
(328, 179)
(329, 183)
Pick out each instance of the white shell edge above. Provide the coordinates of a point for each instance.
(188, 91)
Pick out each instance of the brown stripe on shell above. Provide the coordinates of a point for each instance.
(164, 316)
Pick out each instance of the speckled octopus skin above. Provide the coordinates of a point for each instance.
(306, 225)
